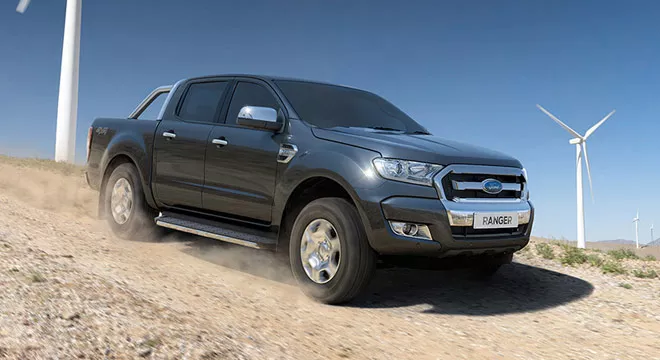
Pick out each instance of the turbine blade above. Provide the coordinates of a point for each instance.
(22, 6)
(571, 131)
(586, 161)
(593, 128)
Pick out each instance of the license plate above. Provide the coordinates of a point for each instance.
(495, 220)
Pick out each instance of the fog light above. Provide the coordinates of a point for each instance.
(410, 229)
(419, 231)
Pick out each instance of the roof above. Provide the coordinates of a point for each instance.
(268, 78)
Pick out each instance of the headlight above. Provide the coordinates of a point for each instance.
(524, 171)
(407, 171)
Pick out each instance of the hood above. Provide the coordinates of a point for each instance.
(426, 148)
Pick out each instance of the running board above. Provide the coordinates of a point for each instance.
(229, 233)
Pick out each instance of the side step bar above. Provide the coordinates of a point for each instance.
(217, 231)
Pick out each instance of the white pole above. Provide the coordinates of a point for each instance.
(67, 106)
(580, 199)
(637, 232)
(652, 239)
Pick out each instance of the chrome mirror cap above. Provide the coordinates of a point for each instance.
(259, 117)
(258, 113)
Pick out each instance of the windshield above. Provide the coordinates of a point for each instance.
(328, 106)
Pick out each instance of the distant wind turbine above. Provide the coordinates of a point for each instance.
(580, 143)
(67, 106)
(636, 221)
(652, 239)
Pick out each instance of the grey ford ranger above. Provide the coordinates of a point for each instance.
(333, 177)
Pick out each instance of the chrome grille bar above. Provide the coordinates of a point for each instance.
(473, 185)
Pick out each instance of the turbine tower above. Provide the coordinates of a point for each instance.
(652, 239)
(580, 143)
(636, 221)
(67, 105)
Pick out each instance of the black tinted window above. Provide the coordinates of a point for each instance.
(249, 94)
(329, 106)
(202, 101)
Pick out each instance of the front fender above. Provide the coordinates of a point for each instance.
(350, 167)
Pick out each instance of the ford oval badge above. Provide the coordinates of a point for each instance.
(491, 186)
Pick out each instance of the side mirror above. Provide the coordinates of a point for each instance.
(258, 117)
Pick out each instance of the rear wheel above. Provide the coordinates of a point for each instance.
(329, 253)
(127, 212)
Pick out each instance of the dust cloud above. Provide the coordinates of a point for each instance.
(64, 190)
(49, 190)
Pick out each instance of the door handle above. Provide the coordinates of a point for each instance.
(169, 135)
(221, 142)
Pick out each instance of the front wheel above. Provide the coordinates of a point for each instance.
(127, 212)
(329, 253)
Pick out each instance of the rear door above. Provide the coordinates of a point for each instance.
(240, 176)
(180, 144)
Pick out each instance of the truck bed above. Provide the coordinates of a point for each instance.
(107, 131)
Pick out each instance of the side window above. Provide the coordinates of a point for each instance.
(202, 101)
(247, 93)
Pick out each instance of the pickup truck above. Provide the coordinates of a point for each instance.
(333, 177)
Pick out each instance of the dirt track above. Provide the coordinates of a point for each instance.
(68, 288)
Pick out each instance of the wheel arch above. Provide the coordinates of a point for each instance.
(114, 162)
(311, 188)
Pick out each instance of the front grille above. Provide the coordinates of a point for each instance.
(463, 192)
(467, 232)
(452, 193)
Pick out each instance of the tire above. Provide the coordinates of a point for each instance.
(356, 261)
(139, 223)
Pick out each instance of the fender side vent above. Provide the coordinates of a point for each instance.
(287, 152)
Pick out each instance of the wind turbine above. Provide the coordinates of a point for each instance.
(636, 221)
(652, 239)
(67, 105)
(580, 143)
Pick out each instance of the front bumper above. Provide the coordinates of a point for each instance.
(448, 240)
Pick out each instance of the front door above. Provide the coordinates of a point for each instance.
(180, 145)
(241, 168)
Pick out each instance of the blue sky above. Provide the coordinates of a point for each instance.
(471, 71)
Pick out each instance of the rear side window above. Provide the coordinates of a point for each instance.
(247, 93)
(202, 101)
